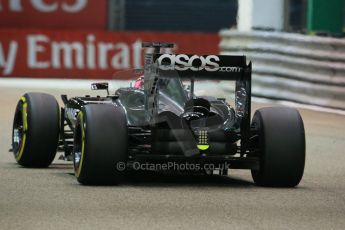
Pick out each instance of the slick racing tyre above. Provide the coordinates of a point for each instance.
(35, 132)
(281, 141)
(100, 144)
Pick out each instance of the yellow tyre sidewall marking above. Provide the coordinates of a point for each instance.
(25, 128)
(81, 120)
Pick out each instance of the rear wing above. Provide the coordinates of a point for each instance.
(210, 67)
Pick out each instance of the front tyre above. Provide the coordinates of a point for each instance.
(100, 144)
(281, 141)
(35, 133)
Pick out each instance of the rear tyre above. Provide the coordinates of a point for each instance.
(281, 141)
(35, 133)
(100, 144)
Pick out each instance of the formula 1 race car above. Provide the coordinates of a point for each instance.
(160, 119)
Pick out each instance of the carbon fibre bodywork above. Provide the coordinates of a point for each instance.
(166, 120)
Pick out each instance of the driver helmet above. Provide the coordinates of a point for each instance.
(139, 83)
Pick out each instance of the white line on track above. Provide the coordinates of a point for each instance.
(299, 105)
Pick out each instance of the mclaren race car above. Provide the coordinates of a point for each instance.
(160, 120)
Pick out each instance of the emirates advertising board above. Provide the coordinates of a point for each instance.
(65, 14)
(86, 54)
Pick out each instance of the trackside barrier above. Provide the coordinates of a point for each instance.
(294, 67)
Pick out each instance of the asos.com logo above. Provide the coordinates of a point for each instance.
(184, 62)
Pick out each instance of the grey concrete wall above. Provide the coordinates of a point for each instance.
(295, 67)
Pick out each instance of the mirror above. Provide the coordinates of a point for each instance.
(100, 86)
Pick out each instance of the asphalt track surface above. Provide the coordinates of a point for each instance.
(52, 198)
